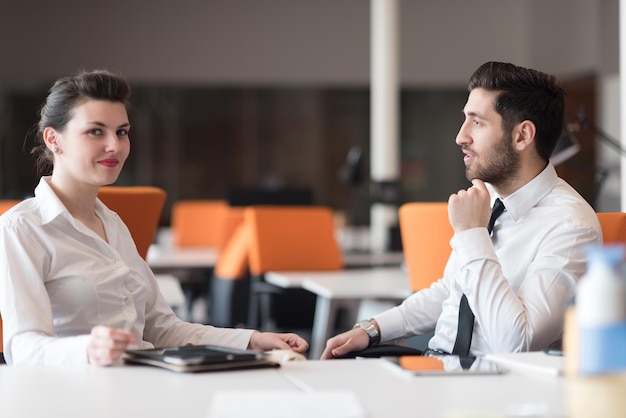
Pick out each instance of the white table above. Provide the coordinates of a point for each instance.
(189, 265)
(372, 259)
(342, 288)
(165, 254)
(130, 392)
(171, 291)
(206, 257)
(167, 257)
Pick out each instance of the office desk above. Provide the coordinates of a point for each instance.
(167, 257)
(372, 259)
(172, 291)
(342, 289)
(130, 392)
(165, 254)
(192, 266)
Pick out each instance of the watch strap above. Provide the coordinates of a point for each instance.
(370, 329)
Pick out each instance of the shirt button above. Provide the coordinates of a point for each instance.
(449, 332)
(118, 264)
(128, 301)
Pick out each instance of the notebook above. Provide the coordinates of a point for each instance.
(199, 358)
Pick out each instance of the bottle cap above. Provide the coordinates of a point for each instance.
(611, 254)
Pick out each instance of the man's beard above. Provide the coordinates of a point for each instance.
(499, 165)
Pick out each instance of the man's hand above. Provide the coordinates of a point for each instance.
(267, 341)
(347, 342)
(107, 345)
(469, 208)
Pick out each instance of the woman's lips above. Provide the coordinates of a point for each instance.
(109, 162)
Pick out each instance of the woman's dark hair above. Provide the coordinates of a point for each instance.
(67, 93)
(525, 94)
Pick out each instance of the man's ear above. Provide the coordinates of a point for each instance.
(524, 135)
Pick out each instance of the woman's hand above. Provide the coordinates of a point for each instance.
(266, 341)
(107, 345)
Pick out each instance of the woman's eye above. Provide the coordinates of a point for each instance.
(95, 132)
(122, 132)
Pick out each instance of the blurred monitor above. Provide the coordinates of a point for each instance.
(351, 172)
(247, 197)
(566, 147)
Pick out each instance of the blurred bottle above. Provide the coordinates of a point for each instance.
(571, 341)
(601, 313)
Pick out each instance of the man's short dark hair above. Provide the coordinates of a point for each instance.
(525, 94)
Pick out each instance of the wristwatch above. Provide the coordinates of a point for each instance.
(371, 330)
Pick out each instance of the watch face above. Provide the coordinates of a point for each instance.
(368, 327)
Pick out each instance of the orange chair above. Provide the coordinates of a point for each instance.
(196, 223)
(139, 207)
(613, 227)
(7, 204)
(229, 222)
(4, 206)
(288, 238)
(229, 287)
(426, 233)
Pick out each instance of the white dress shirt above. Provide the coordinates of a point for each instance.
(518, 283)
(59, 279)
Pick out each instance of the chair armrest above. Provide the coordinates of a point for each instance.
(263, 287)
(385, 350)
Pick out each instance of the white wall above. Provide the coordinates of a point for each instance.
(564, 35)
(607, 157)
(311, 42)
(289, 41)
(609, 105)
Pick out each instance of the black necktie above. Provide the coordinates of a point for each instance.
(466, 316)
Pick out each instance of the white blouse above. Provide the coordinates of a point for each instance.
(58, 279)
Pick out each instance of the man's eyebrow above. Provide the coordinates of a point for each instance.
(474, 114)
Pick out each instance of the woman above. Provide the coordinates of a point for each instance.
(73, 288)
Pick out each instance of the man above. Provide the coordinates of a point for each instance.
(517, 280)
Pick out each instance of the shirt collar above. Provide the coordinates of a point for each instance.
(528, 196)
(52, 207)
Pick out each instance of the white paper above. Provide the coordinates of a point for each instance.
(530, 362)
(285, 404)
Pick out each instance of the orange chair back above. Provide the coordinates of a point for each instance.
(426, 234)
(4, 206)
(232, 262)
(613, 227)
(231, 220)
(292, 238)
(139, 207)
(196, 223)
(7, 204)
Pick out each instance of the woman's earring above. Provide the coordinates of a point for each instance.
(55, 149)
